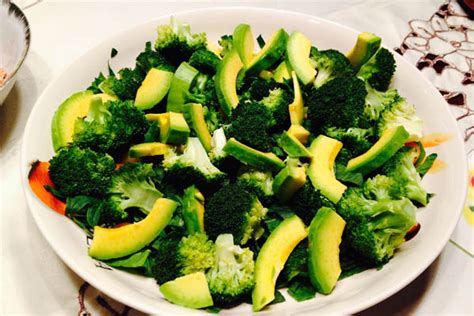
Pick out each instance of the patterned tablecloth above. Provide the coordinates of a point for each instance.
(436, 36)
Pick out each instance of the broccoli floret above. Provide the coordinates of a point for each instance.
(356, 140)
(330, 64)
(232, 276)
(256, 88)
(192, 167)
(204, 92)
(132, 186)
(381, 188)
(195, 253)
(376, 101)
(379, 70)
(197, 93)
(110, 127)
(150, 58)
(212, 117)
(375, 228)
(257, 182)
(307, 201)
(125, 85)
(401, 113)
(401, 168)
(250, 125)
(205, 61)
(277, 102)
(226, 42)
(338, 103)
(75, 171)
(176, 42)
(236, 211)
(178, 257)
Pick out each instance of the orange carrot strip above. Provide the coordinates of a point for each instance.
(435, 139)
(38, 177)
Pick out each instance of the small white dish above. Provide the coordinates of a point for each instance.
(15, 40)
(353, 294)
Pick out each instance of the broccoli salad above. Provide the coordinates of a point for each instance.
(229, 171)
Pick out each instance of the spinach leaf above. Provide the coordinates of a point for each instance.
(301, 290)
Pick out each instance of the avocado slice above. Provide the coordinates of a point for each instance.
(74, 107)
(226, 80)
(321, 168)
(299, 132)
(193, 210)
(153, 89)
(289, 180)
(324, 238)
(296, 108)
(282, 72)
(194, 115)
(242, 39)
(253, 157)
(190, 290)
(292, 146)
(265, 74)
(389, 143)
(110, 243)
(297, 52)
(173, 127)
(270, 53)
(366, 46)
(181, 83)
(272, 258)
(148, 149)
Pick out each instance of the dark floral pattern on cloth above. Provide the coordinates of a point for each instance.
(108, 306)
(443, 48)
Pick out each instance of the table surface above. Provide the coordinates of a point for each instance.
(33, 280)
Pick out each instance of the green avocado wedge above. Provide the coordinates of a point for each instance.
(190, 291)
(153, 89)
(193, 210)
(74, 107)
(226, 81)
(289, 180)
(324, 238)
(389, 143)
(148, 149)
(366, 46)
(273, 50)
(111, 243)
(194, 115)
(292, 146)
(321, 168)
(272, 258)
(242, 39)
(253, 157)
(282, 72)
(173, 127)
(297, 52)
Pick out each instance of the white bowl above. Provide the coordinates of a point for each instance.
(14, 44)
(352, 294)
